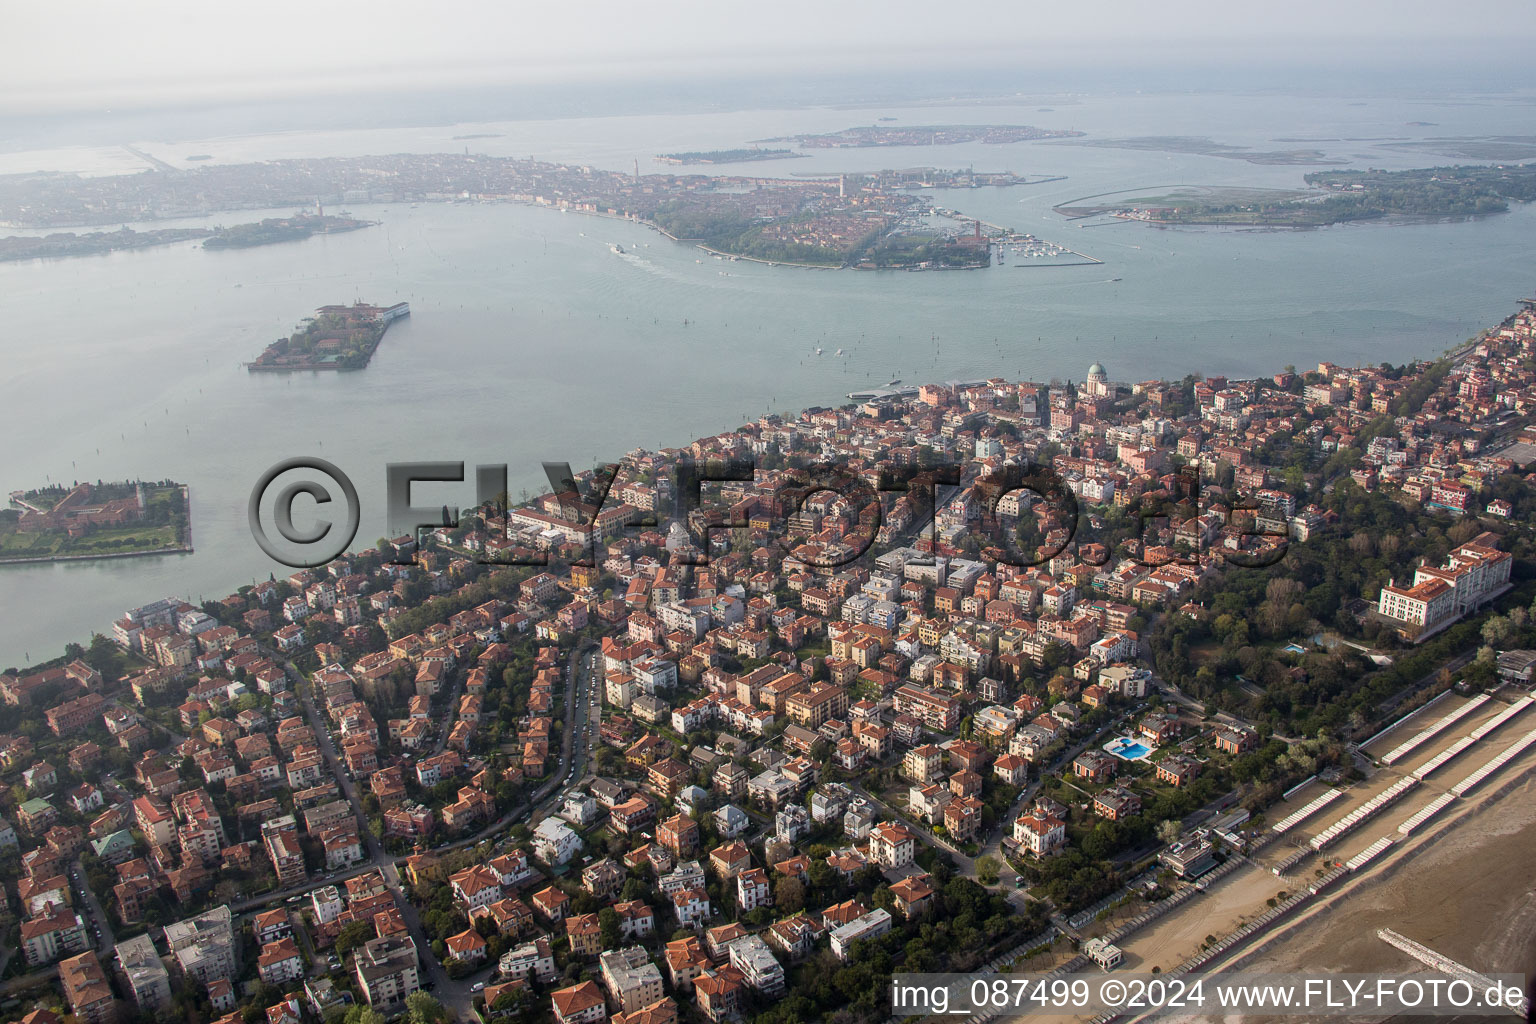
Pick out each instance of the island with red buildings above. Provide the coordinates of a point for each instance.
(335, 338)
(100, 520)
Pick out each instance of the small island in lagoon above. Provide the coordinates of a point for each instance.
(95, 520)
(283, 229)
(1334, 197)
(866, 136)
(335, 338)
(241, 236)
(729, 156)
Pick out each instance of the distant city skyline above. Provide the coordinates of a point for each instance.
(155, 52)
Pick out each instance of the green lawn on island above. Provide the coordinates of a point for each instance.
(122, 540)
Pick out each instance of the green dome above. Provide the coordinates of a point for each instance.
(1097, 370)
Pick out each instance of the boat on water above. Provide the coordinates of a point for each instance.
(1113, 280)
(618, 250)
(818, 350)
(838, 352)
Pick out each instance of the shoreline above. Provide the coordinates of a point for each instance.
(771, 263)
(180, 549)
(1457, 351)
(606, 214)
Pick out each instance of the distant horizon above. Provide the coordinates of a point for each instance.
(167, 54)
(340, 106)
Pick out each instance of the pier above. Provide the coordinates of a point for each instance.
(1442, 963)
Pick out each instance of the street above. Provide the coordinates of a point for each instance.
(456, 996)
(95, 917)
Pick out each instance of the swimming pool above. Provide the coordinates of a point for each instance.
(1127, 748)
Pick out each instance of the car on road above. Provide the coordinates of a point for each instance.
(477, 986)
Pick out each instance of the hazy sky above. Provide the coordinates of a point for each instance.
(110, 54)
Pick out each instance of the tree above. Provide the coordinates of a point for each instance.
(987, 869)
(608, 922)
(422, 1008)
(1167, 831)
(789, 895)
(353, 935)
(1497, 630)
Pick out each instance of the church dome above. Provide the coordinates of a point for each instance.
(1097, 372)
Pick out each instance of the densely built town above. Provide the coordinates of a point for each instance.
(866, 220)
(620, 754)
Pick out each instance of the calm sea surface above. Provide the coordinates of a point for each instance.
(531, 340)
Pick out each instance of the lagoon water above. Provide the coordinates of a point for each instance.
(530, 340)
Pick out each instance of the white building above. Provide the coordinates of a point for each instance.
(148, 980)
(554, 842)
(327, 903)
(751, 956)
(206, 945)
(1472, 574)
(691, 907)
(791, 822)
(891, 845)
(752, 890)
(654, 674)
(871, 925)
(731, 821)
(532, 959)
(1097, 383)
(1040, 834)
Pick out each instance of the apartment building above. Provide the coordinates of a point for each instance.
(56, 932)
(206, 946)
(87, 989)
(758, 966)
(149, 983)
(630, 978)
(387, 970)
(937, 711)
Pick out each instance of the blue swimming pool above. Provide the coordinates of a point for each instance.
(1127, 748)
